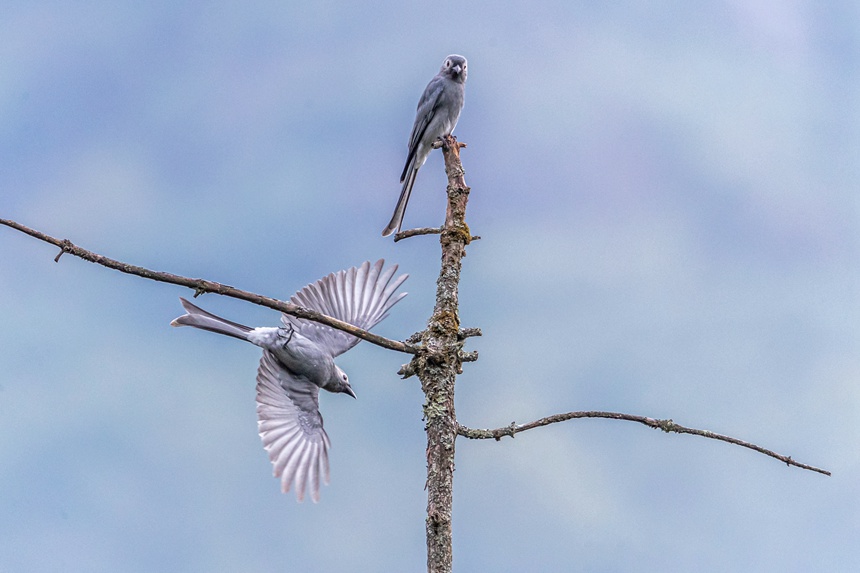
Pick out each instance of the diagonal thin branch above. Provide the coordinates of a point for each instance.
(202, 286)
(665, 425)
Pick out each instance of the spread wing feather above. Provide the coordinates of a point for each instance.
(361, 296)
(291, 427)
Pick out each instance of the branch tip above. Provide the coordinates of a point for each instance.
(667, 426)
(469, 332)
(471, 356)
(406, 371)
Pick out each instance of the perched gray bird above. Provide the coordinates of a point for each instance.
(298, 360)
(437, 115)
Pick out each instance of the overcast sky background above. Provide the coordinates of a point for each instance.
(667, 196)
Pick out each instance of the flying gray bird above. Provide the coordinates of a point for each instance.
(298, 360)
(437, 115)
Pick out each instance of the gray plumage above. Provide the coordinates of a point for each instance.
(437, 115)
(298, 360)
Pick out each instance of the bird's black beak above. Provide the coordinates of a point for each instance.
(349, 391)
(457, 70)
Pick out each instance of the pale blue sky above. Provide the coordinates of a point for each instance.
(667, 195)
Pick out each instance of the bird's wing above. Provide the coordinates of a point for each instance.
(291, 427)
(427, 106)
(361, 296)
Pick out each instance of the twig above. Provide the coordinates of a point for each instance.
(469, 332)
(416, 232)
(665, 425)
(468, 356)
(202, 286)
(423, 231)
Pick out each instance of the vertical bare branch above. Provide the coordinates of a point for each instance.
(438, 364)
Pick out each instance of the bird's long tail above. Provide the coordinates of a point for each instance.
(199, 318)
(400, 209)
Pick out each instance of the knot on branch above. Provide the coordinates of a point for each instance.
(667, 426)
(430, 354)
(510, 430)
(425, 358)
(66, 246)
(459, 234)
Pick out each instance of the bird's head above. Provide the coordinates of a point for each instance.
(455, 67)
(341, 383)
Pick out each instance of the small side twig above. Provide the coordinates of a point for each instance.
(469, 332)
(202, 286)
(416, 232)
(424, 231)
(665, 425)
(471, 356)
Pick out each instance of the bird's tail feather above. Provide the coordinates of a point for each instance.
(397, 218)
(199, 318)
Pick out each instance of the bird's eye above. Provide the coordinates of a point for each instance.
(344, 377)
(447, 63)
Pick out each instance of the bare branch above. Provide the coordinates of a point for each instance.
(469, 332)
(438, 364)
(416, 232)
(423, 231)
(202, 286)
(665, 425)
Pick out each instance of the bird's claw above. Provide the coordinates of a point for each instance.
(290, 337)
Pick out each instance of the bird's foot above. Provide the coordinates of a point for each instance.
(442, 142)
(290, 336)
